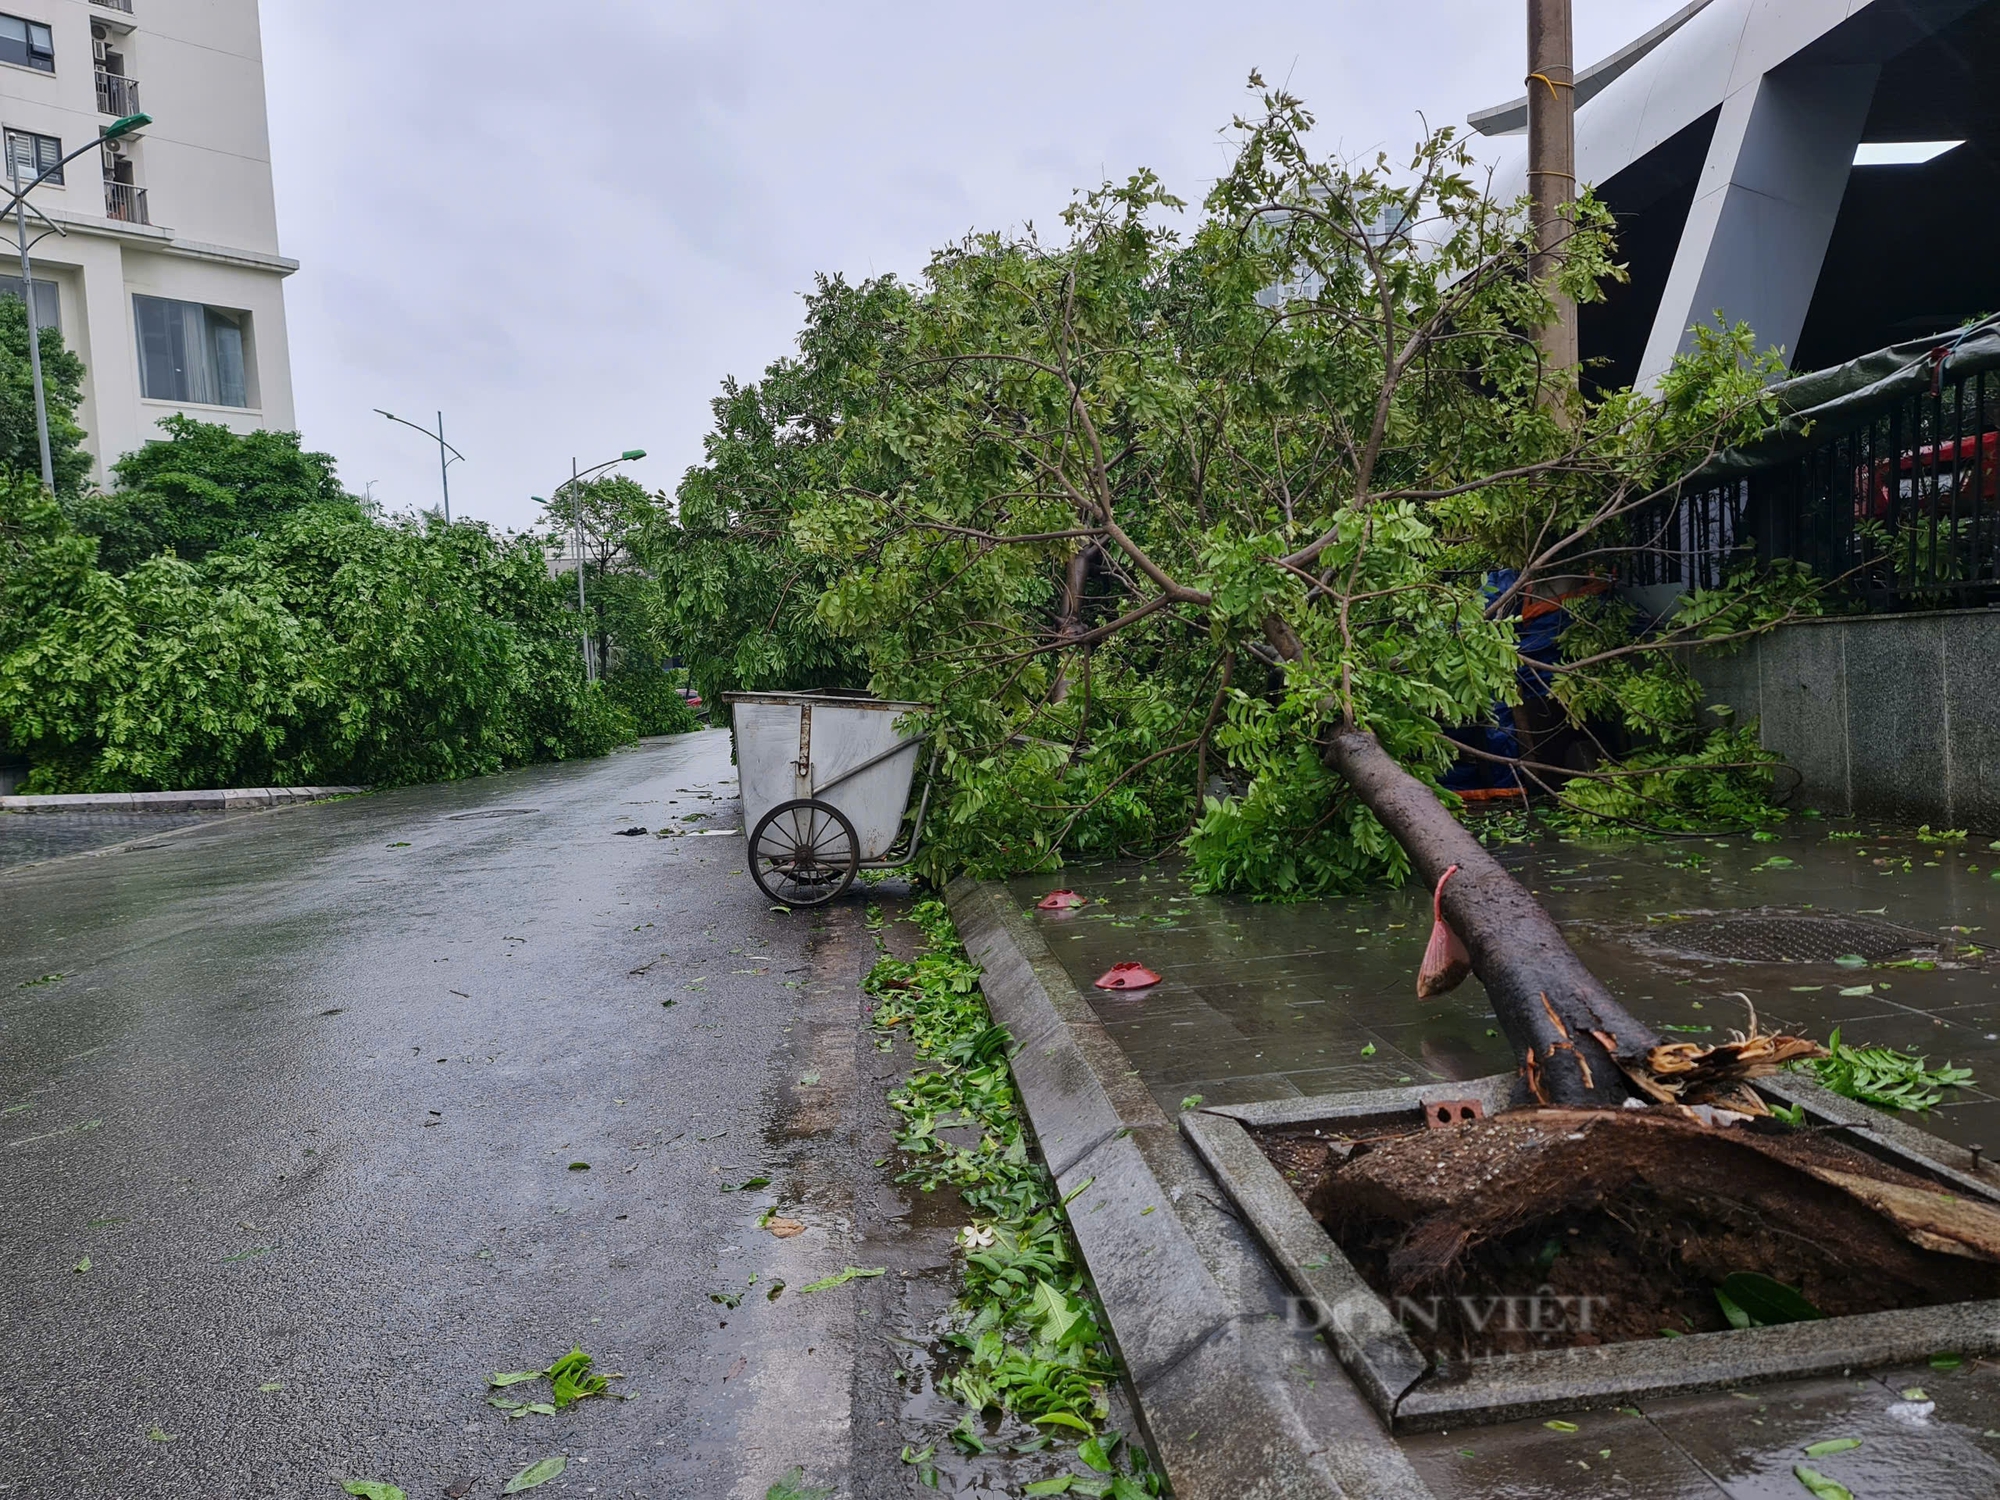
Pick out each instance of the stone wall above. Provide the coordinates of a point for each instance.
(1891, 716)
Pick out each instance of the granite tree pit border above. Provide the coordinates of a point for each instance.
(1237, 1403)
(1398, 1380)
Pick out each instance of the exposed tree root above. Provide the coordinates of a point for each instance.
(1648, 1210)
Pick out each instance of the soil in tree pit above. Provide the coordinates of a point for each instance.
(1562, 1228)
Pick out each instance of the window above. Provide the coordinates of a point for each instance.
(192, 353)
(27, 43)
(48, 300)
(29, 155)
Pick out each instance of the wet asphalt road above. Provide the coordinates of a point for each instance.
(309, 1091)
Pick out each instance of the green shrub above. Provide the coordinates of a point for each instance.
(328, 648)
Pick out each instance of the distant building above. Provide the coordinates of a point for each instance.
(167, 279)
(1826, 170)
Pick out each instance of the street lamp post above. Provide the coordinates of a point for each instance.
(18, 202)
(444, 463)
(576, 476)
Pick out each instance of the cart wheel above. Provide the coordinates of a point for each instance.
(804, 853)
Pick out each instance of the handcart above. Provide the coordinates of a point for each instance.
(825, 779)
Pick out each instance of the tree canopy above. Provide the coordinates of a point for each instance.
(62, 385)
(328, 647)
(201, 487)
(1144, 510)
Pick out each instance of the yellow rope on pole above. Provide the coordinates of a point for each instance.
(1553, 85)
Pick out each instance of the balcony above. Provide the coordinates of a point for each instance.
(125, 202)
(124, 5)
(117, 94)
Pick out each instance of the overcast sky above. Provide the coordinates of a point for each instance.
(565, 223)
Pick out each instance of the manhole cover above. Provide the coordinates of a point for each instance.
(493, 812)
(1768, 935)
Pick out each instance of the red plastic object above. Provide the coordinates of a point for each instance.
(1446, 963)
(1060, 901)
(1127, 977)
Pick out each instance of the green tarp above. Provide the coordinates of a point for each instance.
(1845, 395)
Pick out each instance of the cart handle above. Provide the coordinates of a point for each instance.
(820, 789)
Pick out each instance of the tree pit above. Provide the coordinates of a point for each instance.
(1567, 1228)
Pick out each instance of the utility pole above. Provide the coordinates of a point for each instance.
(582, 610)
(444, 448)
(1552, 166)
(444, 470)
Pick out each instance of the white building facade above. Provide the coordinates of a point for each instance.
(166, 278)
(1824, 170)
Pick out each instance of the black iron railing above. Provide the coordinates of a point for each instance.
(1900, 505)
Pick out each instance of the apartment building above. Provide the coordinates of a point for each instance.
(158, 254)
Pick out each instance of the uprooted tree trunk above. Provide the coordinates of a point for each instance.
(1575, 1043)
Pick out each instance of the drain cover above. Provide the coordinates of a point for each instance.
(1770, 935)
(493, 812)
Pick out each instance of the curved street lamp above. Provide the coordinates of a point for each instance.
(444, 463)
(576, 476)
(18, 202)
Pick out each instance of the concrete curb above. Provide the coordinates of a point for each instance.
(230, 799)
(1240, 1403)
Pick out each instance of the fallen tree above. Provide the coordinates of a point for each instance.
(1205, 538)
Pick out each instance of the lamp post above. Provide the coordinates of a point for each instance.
(576, 476)
(18, 202)
(444, 463)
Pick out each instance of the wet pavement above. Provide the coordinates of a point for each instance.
(1263, 1002)
(29, 838)
(311, 1121)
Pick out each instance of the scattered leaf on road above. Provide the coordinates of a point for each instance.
(372, 1489)
(1832, 1445)
(579, 1166)
(1946, 1361)
(514, 1377)
(82, 1265)
(1820, 1485)
(1560, 1426)
(161, 1435)
(842, 1277)
(271, 1385)
(540, 1472)
(793, 1486)
(784, 1229)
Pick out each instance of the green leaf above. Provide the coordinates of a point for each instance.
(1737, 1317)
(1560, 1426)
(372, 1489)
(1091, 1451)
(540, 1472)
(1946, 1361)
(1063, 1419)
(1766, 1301)
(1851, 961)
(1831, 1445)
(514, 1377)
(82, 1265)
(1192, 1101)
(1821, 1487)
(841, 1278)
(1057, 1486)
(1369, 1050)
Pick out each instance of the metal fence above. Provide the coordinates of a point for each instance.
(124, 5)
(1900, 506)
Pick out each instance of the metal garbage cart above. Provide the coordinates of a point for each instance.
(826, 780)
